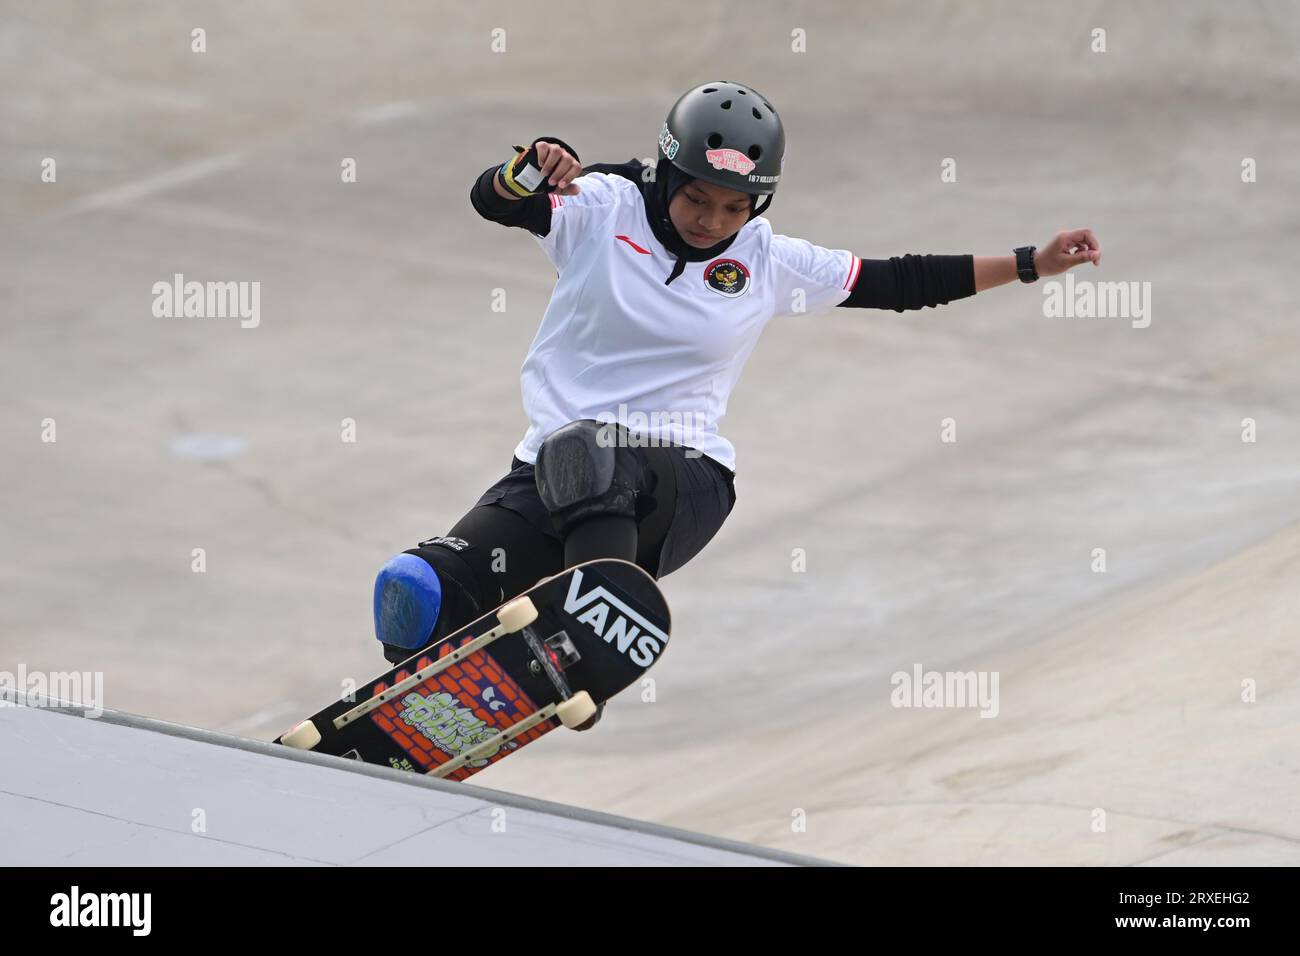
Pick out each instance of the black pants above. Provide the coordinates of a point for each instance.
(507, 542)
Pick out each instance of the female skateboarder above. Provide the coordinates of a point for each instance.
(666, 277)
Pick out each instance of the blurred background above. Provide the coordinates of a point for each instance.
(1160, 695)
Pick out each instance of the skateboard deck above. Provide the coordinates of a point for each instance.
(547, 657)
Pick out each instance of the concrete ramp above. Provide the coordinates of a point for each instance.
(121, 790)
(1163, 731)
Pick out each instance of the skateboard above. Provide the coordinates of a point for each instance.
(546, 658)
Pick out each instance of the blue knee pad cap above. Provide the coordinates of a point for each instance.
(408, 596)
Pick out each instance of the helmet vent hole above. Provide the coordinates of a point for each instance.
(755, 151)
(769, 107)
(715, 140)
(714, 89)
(757, 114)
(726, 104)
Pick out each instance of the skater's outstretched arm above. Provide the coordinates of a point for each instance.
(810, 277)
(915, 282)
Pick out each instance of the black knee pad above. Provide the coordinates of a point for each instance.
(585, 469)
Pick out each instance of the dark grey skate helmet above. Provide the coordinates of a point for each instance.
(726, 134)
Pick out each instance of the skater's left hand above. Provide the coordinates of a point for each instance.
(1066, 250)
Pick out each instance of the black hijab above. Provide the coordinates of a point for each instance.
(657, 194)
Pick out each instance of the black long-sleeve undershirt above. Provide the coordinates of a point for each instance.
(912, 282)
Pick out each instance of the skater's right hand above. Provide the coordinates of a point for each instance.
(560, 168)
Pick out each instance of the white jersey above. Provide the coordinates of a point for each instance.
(617, 344)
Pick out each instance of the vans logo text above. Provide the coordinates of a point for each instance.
(617, 623)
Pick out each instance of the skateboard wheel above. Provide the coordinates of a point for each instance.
(577, 710)
(517, 615)
(303, 737)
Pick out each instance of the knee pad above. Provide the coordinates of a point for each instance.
(585, 469)
(408, 598)
(421, 596)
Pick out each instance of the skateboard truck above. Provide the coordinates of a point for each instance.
(560, 649)
(552, 657)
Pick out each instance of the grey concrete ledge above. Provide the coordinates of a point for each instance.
(641, 843)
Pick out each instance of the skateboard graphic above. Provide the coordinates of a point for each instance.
(547, 657)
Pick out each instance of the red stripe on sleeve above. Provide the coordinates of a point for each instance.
(854, 269)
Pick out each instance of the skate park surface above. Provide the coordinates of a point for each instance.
(1147, 712)
(165, 794)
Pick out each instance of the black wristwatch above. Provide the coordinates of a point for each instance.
(1025, 263)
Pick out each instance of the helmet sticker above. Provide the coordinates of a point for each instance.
(667, 143)
(731, 159)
